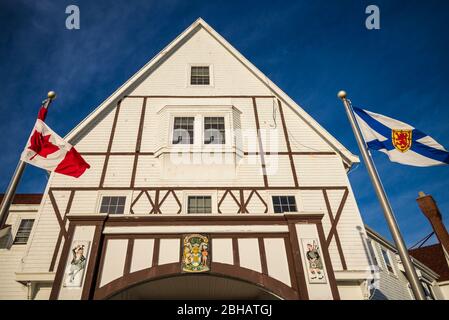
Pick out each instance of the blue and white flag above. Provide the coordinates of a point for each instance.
(400, 141)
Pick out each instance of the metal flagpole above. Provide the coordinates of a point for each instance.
(382, 196)
(11, 190)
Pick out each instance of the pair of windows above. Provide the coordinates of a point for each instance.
(203, 204)
(214, 130)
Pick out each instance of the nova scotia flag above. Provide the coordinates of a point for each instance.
(400, 141)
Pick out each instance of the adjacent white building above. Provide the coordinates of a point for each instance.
(389, 281)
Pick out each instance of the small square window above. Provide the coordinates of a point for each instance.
(199, 75)
(113, 205)
(283, 204)
(24, 231)
(214, 130)
(183, 130)
(199, 204)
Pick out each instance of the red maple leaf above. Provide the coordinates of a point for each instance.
(41, 145)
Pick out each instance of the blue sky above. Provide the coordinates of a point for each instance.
(311, 49)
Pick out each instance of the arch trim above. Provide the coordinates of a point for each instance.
(270, 284)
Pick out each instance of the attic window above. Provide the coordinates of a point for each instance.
(199, 75)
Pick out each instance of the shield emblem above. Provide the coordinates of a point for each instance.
(401, 139)
(195, 253)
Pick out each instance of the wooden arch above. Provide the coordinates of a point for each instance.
(265, 282)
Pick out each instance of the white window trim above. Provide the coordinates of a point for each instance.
(212, 194)
(16, 227)
(211, 75)
(115, 193)
(180, 114)
(198, 130)
(374, 246)
(393, 273)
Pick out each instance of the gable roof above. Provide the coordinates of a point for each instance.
(25, 198)
(156, 61)
(434, 257)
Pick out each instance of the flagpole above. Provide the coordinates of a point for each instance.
(385, 204)
(11, 190)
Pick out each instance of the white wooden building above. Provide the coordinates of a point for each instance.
(199, 142)
(390, 282)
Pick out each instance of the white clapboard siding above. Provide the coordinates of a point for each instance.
(42, 239)
(84, 202)
(119, 171)
(320, 170)
(279, 171)
(125, 135)
(271, 128)
(392, 286)
(302, 136)
(255, 205)
(230, 76)
(10, 259)
(97, 136)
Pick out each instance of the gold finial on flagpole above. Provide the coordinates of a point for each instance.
(342, 94)
(51, 95)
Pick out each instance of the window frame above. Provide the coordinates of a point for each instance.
(199, 196)
(393, 270)
(189, 75)
(187, 194)
(284, 195)
(18, 229)
(107, 193)
(372, 247)
(199, 132)
(203, 125)
(172, 131)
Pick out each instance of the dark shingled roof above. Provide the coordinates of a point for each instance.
(433, 257)
(25, 198)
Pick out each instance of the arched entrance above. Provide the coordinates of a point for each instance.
(199, 287)
(224, 282)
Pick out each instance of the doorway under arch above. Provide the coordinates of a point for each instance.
(198, 287)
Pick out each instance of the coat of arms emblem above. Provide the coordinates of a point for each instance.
(195, 253)
(401, 139)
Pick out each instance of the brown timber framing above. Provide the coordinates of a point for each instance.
(329, 187)
(56, 288)
(241, 204)
(96, 261)
(287, 141)
(337, 237)
(263, 256)
(62, 230)
(259, 139)
(111, 139)
(138, 142)
(328, 263)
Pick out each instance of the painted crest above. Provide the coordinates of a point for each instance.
(401, 139)
(195, 253)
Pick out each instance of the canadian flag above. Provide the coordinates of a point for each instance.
(46, 150)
